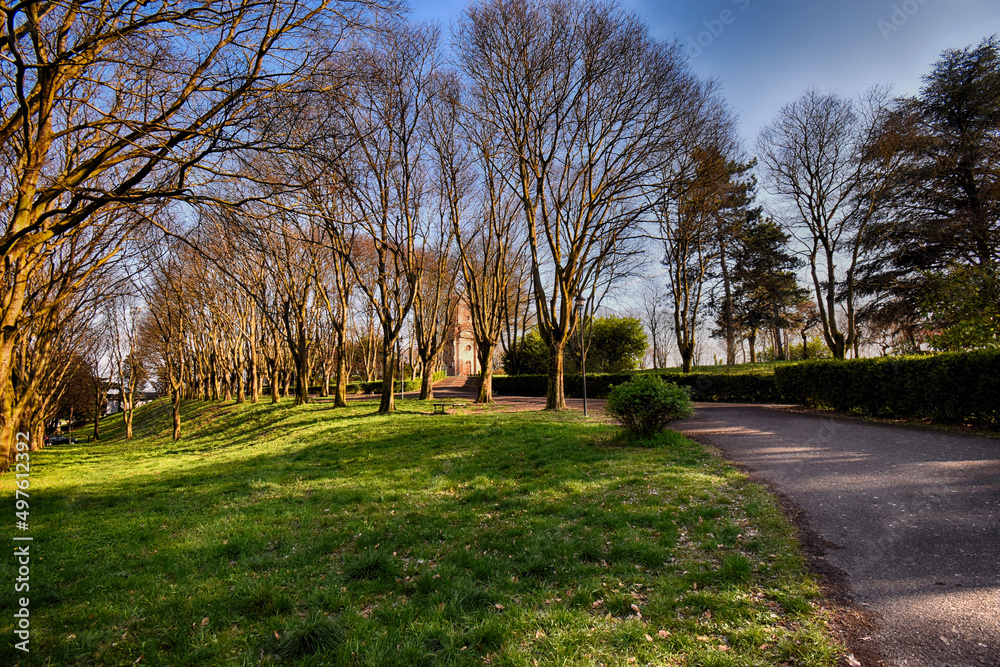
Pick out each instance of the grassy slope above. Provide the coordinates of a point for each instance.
(281, 535)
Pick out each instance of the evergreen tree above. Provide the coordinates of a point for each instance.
(765, 287)
(937, 249)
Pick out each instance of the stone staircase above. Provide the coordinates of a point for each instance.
(457, 386)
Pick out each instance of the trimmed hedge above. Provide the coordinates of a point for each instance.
(598, 385)
(728, 388)
(721, 387)
(375, 386)
(961, 387)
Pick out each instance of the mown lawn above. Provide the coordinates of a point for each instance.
(323, 536)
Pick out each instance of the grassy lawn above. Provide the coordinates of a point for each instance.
(322, 536)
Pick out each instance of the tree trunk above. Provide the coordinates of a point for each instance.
(273, 381)
(7, 431)
(128, 423)
(254, 368)
(388, 402)
(730, 328)
(241, 388)
(340, 400)
(426, 383)
(555, 398)
(752, 340)
(687, 354)
(177, 413)
(486, 372)
(779, 350)
(302, 372)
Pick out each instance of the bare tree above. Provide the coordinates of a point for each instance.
(489, 239)
(384, 184)
(580, 98)
(693, 212)
(123, 102)
(823, 159)
(655, 315)
(122, 315)
(69, 277)
(166, 326)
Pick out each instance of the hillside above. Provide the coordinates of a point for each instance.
(314, 535)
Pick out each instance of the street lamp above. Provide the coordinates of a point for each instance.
(580, 303)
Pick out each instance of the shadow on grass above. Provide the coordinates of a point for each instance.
(420, 536)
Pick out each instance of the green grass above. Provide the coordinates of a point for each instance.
(320, 536)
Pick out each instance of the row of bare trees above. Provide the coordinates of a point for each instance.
(249, 194)
(109, 109)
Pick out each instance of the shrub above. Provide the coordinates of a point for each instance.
(529, 357)
(729, 388)
(598, 385)
(646, 404)
(717, 387)
(616, 345)
(955, 388)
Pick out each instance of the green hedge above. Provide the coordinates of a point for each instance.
(375, 386)
(728, 388)
(962, 387)
(722, 387)
(598, 385)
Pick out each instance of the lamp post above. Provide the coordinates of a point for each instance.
(580, 303)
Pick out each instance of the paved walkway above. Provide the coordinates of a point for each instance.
(910, 515)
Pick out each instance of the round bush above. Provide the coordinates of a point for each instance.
(646, 404)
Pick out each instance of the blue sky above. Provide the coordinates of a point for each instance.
(766, 53)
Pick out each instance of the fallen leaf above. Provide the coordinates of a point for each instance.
(662, 634)
(648, 638)
(204, 621)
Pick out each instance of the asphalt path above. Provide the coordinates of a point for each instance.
(911, 516)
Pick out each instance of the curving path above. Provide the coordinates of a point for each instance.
(910, 515)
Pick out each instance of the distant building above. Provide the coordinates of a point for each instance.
(460, 355)
(114, 405)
